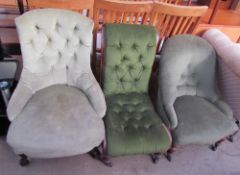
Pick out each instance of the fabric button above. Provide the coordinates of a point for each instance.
(125, 58)
(37, 27)
(140, 57)
(130, 67)
(76, 28)
(59, 54)
(134, 46)
(49, 39)
(144, 67)
(67, 40)
(116, 67)
(80, 42)
(119, 45)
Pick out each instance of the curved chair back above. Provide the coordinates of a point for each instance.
(170, 19)
(82, 6)
(187, 67)
(55, 49)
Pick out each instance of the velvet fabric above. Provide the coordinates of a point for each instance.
(132, 125)
(187, 68)
(200, 122)
(57, 121)
(58, 106)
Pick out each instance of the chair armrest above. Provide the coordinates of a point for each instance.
(172, 116)
(162, 112)
(18, 100)
(89, 85)
(224, 108)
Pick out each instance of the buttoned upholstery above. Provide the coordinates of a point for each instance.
(56, 46)
(132, 125)
(133, 55)
(188, 92)
(55, 50)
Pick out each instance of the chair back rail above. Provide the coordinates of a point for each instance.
(81, 6)
(170, 19)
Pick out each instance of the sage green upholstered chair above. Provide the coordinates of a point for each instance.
(132, 125)
(188, 93)
(58, 106)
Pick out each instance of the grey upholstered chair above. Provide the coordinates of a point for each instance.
(228, 67)
(57, 107)
(188, 94)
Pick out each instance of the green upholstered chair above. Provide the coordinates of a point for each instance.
(188, 93)
(132, 125)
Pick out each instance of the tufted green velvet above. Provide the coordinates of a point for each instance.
(129, 55)
(132, 125)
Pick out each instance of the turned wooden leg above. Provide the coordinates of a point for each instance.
(238, 123)
(23, 160)
(155, 157)
(168, 154)
(97, 154)
(214, 146)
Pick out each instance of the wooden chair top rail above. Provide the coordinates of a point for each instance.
(75, 5)
(127, 6)
(177, 10)
(70, 4)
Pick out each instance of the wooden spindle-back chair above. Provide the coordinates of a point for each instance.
(170, 19)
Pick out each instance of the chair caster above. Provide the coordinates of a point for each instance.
(213, 147)
(155, 158)
(168, 156)
(95, 153)
(230, 138)
(238, 123)
(24, 160)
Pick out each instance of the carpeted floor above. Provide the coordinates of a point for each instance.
(191, 160)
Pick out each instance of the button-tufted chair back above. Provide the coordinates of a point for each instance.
(187, 67)
(128, 58)
(56, 46)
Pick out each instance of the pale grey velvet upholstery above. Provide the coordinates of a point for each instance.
(56, 46)
(57, 121)
(200, 122)
(187, 68)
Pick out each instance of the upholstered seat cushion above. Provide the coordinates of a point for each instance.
(133, 127)
(200, 122)
(57, 121)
